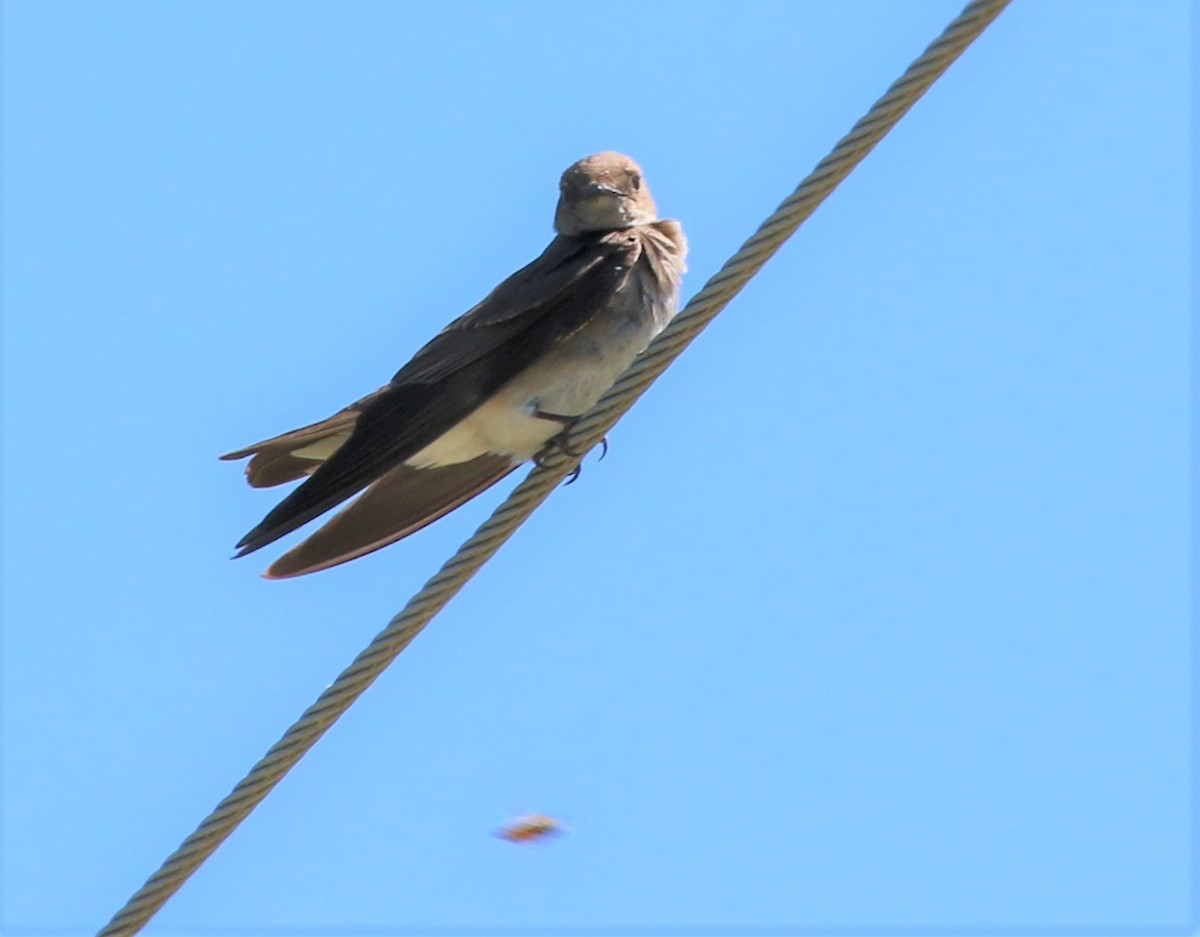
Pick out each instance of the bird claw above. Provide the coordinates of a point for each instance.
(559, 443)
(579, 465)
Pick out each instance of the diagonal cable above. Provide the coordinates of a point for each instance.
(536, 487)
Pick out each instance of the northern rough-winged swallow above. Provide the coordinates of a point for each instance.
(492, 389)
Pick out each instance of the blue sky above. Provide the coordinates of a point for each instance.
(874, 618)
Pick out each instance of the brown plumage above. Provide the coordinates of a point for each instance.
(489, 391)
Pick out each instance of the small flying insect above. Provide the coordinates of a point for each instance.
(529, 828)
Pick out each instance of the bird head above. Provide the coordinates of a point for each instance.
(604, 192)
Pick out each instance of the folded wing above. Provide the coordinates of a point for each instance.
(401, 502)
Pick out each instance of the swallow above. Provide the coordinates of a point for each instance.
(490, 391)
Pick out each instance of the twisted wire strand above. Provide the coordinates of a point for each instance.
(536, 487)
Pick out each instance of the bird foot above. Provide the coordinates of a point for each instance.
(559, 443)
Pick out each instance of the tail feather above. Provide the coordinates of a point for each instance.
(296, 454)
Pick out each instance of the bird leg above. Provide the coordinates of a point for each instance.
(559, 442)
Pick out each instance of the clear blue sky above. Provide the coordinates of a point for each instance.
(875, 616)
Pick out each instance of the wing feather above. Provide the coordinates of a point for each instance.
(403, 501)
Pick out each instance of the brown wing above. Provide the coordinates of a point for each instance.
(461, 368)
(401, 502)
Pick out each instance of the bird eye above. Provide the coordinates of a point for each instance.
(636, 180)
